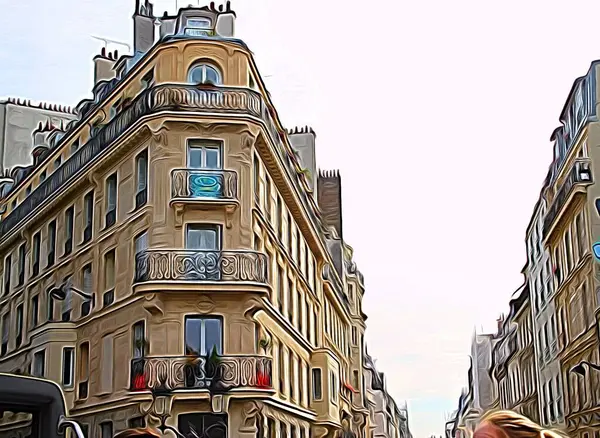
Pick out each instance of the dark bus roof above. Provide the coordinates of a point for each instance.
(41, 397)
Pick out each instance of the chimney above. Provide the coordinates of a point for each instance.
(500, 322)
(103, 66)
(303, 143)
(225, 26)
(143, 27)
(329, 198)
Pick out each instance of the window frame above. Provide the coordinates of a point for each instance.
(37, 354)
(202, 337)
(204, 145)
(141, 193)
(204, 66)
(316, 384)
(71, 370)
(204, 226)
(111, 205)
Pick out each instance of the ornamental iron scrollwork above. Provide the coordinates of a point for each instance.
(198, 372)
(196, 184)
(160, 98)
(197, 265)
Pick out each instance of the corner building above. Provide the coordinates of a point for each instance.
(197, 249)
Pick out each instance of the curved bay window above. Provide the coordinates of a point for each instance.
(204, 74)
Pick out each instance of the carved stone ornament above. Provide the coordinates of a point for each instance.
(251, 415)
(206, 305)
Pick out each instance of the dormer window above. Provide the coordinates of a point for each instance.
(198, 26)
(204, 74)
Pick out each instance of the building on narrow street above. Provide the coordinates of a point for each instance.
(172, 256)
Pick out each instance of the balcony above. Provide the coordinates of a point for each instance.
(197, 373)
(214, 101)
(578, 178)
(196, 266)
(203, 188)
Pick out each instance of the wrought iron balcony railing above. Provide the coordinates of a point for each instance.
(206, 185)
(194, 372)
(579, 174)
(197, 266)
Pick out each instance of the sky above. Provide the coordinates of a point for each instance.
(438, 115)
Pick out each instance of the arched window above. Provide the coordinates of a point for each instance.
(204, 74)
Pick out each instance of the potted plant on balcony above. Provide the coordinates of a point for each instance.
(263, 375)
(264, 344)
(214, 372)
(143, 346)
(192, 362)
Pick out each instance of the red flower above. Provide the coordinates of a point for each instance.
(139, 382)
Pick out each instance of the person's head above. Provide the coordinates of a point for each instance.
(509, 424)
(137, 433)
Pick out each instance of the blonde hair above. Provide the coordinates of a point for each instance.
(518, 426)
(137, 433)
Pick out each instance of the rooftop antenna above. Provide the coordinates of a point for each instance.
(108, 40)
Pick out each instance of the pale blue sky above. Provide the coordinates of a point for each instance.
(438, 115)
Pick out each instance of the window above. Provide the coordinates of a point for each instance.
(57, 163)
(268, 199)
(50, 304)
(7, 273)
(204, 74)
(141, 242)
(317, 379)
(139, 339)
(111, 201)
(35, 310)
(333, 386)
(109, 278)
(141, 179)
(5, 334)
(256, 180)
(204, 155)
(51, 243)
(88, 209)
(35, 266)
(202, 335)
(568, 254)
(87, 282)
(282, 367)
(28, 190)
(74, 146)
(197, 26)
(21, 279)
(67, 302)
(137, 422)
(203, 237)
(107, 364)
(106, 430)
(84, 369)
(39, 363)
(19, 324)
(69, 224)
(290, 300)
(42, 176)
(281, 289)
(68, 367)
